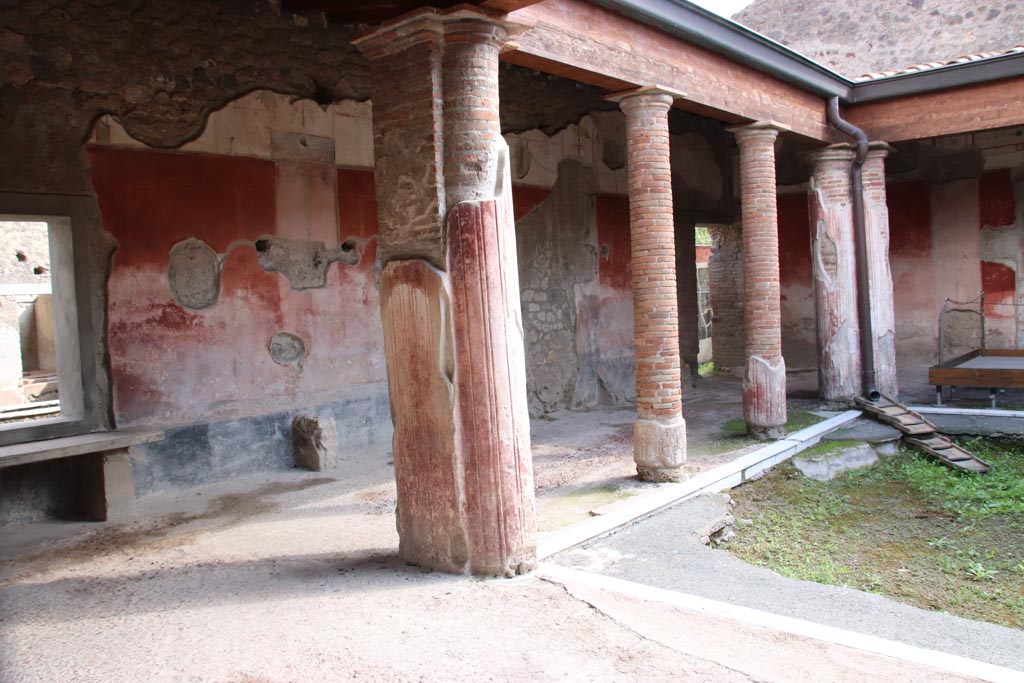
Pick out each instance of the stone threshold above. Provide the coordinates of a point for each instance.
(721, 478)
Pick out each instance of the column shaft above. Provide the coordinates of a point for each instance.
(834, 263)
(659, 435)
(450, 296)
(764, 382)
(883, 310)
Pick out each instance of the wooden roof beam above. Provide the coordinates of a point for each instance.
(587, 43)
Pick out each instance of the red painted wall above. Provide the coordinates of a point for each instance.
(794, 240)
(999, 283)
(799, 322)
(615, 277)
(995, 198)
(614, 257)
(175, 366)
(525, 198)
(997, 208)
(913, 274)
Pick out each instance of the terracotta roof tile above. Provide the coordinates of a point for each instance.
(928, 66)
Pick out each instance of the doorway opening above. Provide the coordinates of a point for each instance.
(39, 351)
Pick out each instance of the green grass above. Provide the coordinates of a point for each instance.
(706, 369)
(1001, 491)
(798, 419)
(824, 447)
(906, 527)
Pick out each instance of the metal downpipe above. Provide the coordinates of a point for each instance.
(867, 336)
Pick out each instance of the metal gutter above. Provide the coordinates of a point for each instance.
(699, 26)
(939, 78)
(867, 334)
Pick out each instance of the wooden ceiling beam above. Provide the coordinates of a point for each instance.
(966, 109)
(584, 42)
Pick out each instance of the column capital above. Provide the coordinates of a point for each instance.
(653, 95)
(432, 25)
(878, 150)
(759, 130)
(838, 153)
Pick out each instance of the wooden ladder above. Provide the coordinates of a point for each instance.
(919, 432)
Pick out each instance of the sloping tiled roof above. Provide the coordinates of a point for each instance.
(928, 66)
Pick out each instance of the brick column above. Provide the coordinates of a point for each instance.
(834, 263)
(764, 381)
(450, 295)
(883, 316)
(659, 433)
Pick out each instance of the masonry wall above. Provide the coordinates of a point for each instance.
(210, 374)
(574, 273)
(63, 70)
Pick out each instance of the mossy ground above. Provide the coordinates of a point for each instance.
(907, 528)
(797, 420)
(574, 504)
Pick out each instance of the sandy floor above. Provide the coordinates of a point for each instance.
(294, 577)
(298, 580)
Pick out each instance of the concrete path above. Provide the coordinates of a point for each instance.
(663, 551)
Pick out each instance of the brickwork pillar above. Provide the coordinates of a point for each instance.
(659, 433)
(764, 381)
(834, 263)
(725, 275)
(883, 310)
(450, 295)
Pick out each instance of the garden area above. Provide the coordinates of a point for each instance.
(906, 527)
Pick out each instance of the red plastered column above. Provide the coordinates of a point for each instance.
(450, 295)
(833, 258)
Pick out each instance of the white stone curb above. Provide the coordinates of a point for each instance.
(968, 412)
(829, 634)
(721, 478)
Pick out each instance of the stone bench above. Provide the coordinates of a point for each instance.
(107, 489)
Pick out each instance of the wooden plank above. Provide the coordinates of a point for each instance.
(894, 411)
(952, 456)
(976, 377)
(588, 43)
(937, 442)
(508, 5)
(953, 362)
(69, 446)
(965, 109)
(916, 429)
